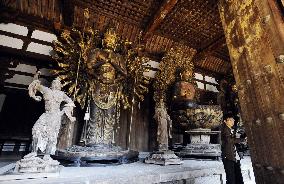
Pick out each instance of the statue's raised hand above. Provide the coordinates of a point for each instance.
(37, 98)
(33, 88)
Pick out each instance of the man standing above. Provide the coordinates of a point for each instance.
(230, 156)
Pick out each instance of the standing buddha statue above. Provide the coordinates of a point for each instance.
(108, 69)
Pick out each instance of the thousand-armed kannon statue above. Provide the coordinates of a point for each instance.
(103, 73)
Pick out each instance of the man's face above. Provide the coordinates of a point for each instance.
(230, 122)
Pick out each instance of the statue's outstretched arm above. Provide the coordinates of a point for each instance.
(33, 88)
(68, 107)
(36, 86)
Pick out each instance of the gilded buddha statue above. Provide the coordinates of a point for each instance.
(107, 68)
(108, 74)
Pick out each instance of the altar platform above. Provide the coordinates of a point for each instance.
(191, 172)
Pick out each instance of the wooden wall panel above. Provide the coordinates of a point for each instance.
(140, 137)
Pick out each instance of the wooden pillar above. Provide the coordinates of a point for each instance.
(254, 52)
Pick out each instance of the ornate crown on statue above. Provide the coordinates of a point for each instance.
(186, 73)
(111, 39)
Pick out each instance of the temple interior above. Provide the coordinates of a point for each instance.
(135, 91)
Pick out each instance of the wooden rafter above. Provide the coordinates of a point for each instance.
(209, 49)
(159, 17)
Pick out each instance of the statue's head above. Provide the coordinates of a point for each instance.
(186, 74)
(56, 84)
(110, 40)
(106, 73)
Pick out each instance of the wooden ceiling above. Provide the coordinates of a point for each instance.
(165, 23)
(193, 22)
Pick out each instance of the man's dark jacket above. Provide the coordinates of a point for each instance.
(228, 143)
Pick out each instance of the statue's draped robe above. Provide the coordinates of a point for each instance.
(164, 126)
(104, 116)
(105, 101)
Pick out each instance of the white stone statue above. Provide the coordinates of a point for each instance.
(164, 125)
(45, 130)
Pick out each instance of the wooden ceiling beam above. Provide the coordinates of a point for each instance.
(10, 15)
(40, 60)
(14, 85)
(26, 38)
(207, 72)
(165, 9)
(10, 73)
